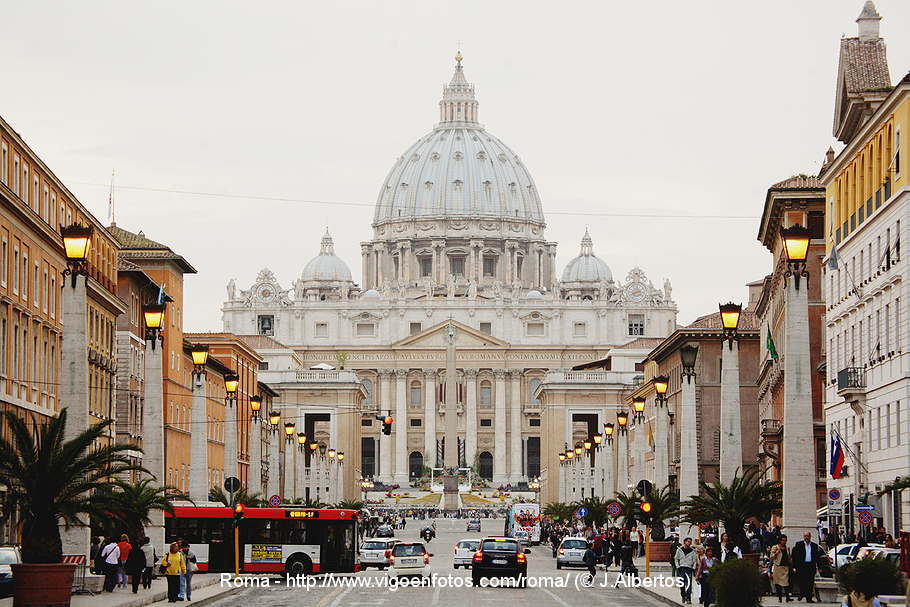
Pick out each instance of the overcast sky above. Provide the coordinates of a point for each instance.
(661, 108)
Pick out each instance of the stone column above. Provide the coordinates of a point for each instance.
(561, 471)
(303, 479)
(385, 442)
(661, 457)
(290, 472)
(274, 468)
(365, 262)
(506, 259)
(199, 443)
(608, 455)
(470, 417)
(515, 417)
(401, 427)
(255, 470)
(798, 439)
(378, 260)
(731, 432)
(499, 427)
(622, 461)
(429, 418)
(230, 437)
(74, 391)
(153, 431)
(688, 448)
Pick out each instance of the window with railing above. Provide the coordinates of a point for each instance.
(851, 377)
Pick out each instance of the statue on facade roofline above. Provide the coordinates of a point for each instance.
(232, 290)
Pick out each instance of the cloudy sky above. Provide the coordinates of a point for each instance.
(658, 124)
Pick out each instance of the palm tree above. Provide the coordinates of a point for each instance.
(349, 505)
(242, 496)
(596, 509)
(664, 506)
(311, 503)
(132, 504)
(629, 506)
(51, 479)
(747, 497)
(558, 511)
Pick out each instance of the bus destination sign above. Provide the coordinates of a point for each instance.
(301, 513)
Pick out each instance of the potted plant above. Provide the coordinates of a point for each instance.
(737, 583)
(664, 506)
(868, 578)
(51, 480)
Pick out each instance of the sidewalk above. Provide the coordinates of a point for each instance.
(206, 588)
(671, 596)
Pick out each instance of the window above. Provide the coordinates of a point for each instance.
(535, 329)
(897, 153)
(416, 422)
(415, 328)
(887, 437)
(4, 167)
(534, 422)
(366, 329)
(264, 366)
(457, 265)
(640, 367)
(532, 389)
(366, 423)
(489, 266)
(16, 175)
(486, 423)
(16, 270)
(580, 329)
(636, 324)
(322, 329)
(486, 327)
(426, 266)
(45, 203)
(486, 393)
(23, 186)
(53, 296)
(266, 324)
(4, 263)
(416, 393)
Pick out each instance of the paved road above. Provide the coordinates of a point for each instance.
(540, 563)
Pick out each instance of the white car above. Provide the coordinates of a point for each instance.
(524, 540)
(464, 553)
(571, 552)
(847, 553)
(409, 559)
(376, 553)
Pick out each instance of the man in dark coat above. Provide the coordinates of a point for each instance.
(805, 556)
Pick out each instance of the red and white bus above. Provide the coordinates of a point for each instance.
(294, 540)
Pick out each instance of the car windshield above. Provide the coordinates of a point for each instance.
(521, 534)
(574, 544)
(500, 546)
(409, 550)
(7, 557)
(374, 546)
(469, 545)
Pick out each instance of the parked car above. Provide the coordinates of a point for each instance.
(8, 556)
(464, 552)
(474, 525)
(409, 559)
(500, 557)
(376, 553)
(847, 553)
(890, 554)
(571, 552)
(385, 531)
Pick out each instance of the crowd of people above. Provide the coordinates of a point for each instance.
(136, 562)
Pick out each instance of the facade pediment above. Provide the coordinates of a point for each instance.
(435, 336)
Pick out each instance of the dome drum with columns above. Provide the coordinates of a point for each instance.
(458, 233)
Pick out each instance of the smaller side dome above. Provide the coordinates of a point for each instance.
(534, 294)
(326, 267)
(371, 294)
(587, 267)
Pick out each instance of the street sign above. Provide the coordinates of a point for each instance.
(644, 488)
(834, 495)
(614, 509)
(864, 507)
(581, 512)
(232, 484)
(275, 501)
(835, 508)
(865, 518)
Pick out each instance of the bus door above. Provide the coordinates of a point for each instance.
(221, 545)
(338, 546)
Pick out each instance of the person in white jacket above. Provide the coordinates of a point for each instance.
(685, 560)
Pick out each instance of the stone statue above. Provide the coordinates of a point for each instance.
(232, 290)
(604, 291)
(497, 289)
(472, 289)
(428, 286)
(345, 292)
(386, 288)
(450, 286)
(402, 289)
(668, 290)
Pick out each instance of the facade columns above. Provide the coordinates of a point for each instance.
(515, 418)
(401, 427)
(731, 440)
(499, 456)
(199, 443)
(290, 473)
(378, 259)
(365, 263)
(274, 485)
(688, 448)
(385, 442)
(429, 418)
(798, 438)
(439, 270)
(470, 417)
(622, 461)
(153, 431)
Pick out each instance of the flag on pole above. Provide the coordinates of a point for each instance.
(160, 295)
(837, 457)
(650, 438)
(834, 259)
(772, 349)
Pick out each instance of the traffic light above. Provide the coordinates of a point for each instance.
(387, 425)
(645, 512)
(863, 498)
(238, 513)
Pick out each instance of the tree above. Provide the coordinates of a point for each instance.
(596, 509)
(242, 496)
(51, 479)
(131, 505)
(311, 503)
(664, 506)
(747, 497)
(349, 505)
(559, 511)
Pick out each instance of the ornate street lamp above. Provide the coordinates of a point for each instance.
(638, 406)
(200, 355)
(562, 458)
(729, 316)
(796, 246)
(570, 455)
(598, 440)
(588, 444)
(255, 406)
(154, 321)
(331, 453)
(274, 419)
(661, 383)
(77, 240)
(622, 420)
(322, 449)
(578, 449)
(609, 428)
(289, 428)
(340, 456)
(688, 355)
(301, 441)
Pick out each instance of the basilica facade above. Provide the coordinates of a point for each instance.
(458, 233)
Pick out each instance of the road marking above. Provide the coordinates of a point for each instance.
(324, 600)
(341, 596)
(554, 597)
(436, 590)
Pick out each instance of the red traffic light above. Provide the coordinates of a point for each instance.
(645, 507)
(388, 420)
(239, 508)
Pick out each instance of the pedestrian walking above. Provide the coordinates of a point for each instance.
(707, 563)
(110, 560)
(805, 557)
(780, 568)
(173, 566)
(94, 550)
(186, 580)
(134, 565)
(125, 548)
(685, 561)
(151, 557)
(590, 561)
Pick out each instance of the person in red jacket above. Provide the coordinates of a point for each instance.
(125, 547)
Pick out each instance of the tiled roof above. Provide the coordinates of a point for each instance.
(138, 247)
(748, 320)
(865, 65)
(129, 240)
(262, 342)
(124, 265)
(642, 343)
(798, 182)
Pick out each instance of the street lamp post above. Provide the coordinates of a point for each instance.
(731, 431)
(231, 383)
(199, 449)
(661, 457)
(622, 455)
(255, 471)
(562, 476)
(688, 448)
(290, 462)
(798, 438)
(274, 484)
(609, 466)
(153, 409)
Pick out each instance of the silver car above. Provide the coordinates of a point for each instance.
(375, 553)
(571, 552)
(8, 556)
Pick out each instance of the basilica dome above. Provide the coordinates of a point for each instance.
(326, 267)
(458, 169)
(587, 267)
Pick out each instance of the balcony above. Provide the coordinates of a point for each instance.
(851, 382)
(308, 376)
(771, 427)
(626, 378)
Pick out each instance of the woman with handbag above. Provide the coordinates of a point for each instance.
(702, 572)
(173, 565)
(780, 568)
(134, 566)
(186, 580)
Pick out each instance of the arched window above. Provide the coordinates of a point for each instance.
(485, 465)
(486, 393)
(415, 464)
(368, 386)
(416, 393)
(532, 390)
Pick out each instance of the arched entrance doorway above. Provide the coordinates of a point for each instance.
(415, 464)
(486, 465)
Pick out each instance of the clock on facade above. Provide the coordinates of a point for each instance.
(635, 292)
